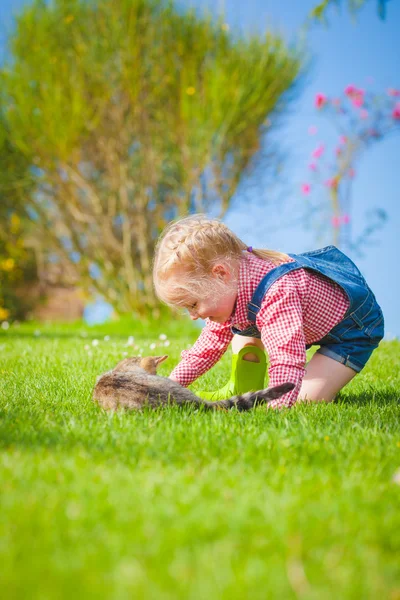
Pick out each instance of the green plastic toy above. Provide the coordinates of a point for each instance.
(246, 376)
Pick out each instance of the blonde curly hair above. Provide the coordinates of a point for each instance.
(186, 253)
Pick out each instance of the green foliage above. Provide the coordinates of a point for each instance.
(183, 504)
(320, 10)
(17, 265)
(131, 113)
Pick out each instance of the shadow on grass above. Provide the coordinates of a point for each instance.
(369, 398)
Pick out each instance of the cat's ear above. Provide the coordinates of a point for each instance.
(159, 359)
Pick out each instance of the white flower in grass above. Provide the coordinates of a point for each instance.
(106, 338)
(167, 343)
(131, 341)
(36, 333)
(84, 334)
(95, 342)
(163, 337)
(5, 325)
(87, 346)
(396, 477)
(152, 346)
(124, 354)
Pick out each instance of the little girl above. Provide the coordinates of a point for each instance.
(262, 299)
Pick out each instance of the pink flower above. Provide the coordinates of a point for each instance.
(364, 114)
(350, 90)
(312, 166)
(351, 172)
(357, 101)
(332, 183)
(396, 111)
(312, 130)
(355, 94)
(345, 219)
(306, 188)
(343, 139)
(338, 151)
(320, 100)
(335, 221)
(318, 152)
(393, 92)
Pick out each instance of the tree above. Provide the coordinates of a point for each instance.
(17, 262)
(129, 114)
(320, 10)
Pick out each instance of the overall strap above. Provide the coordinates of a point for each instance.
(254, 305)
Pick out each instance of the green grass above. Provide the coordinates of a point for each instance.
(182, 504)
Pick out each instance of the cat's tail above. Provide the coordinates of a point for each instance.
(247, 401)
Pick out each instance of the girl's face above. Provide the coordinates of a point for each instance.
(219, 304)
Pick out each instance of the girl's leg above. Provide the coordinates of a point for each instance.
(324, 378)
(240, 341)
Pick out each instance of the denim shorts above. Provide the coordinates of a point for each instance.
(352, 341)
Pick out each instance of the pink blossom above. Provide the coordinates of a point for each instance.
(364, 114)
(343, 139)
(338, 151)
(312, 166)
(345, 219)
(358, 100)
(355, 94)
(318, 152)
(320, 100)
(393, 92)
(335, 221)
(351, 172)
(350, 90)
(396, 111)
(332, 183)
(312, 130)
(306, 188)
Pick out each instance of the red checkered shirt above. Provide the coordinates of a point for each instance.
(299, 308)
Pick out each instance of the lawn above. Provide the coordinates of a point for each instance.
(183, 504)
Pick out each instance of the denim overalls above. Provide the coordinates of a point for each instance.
(352, 341)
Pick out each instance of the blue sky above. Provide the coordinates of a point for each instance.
(344, 52)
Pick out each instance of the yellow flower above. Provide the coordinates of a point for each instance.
(4, 313)
(398, 444)
(225, 27)
(7, 264)
(327, 438)
(69, 19)
(190, 91)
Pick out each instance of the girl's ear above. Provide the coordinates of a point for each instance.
(220, 271)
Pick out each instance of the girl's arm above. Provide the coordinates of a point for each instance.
(280, 321)
(208, 349)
